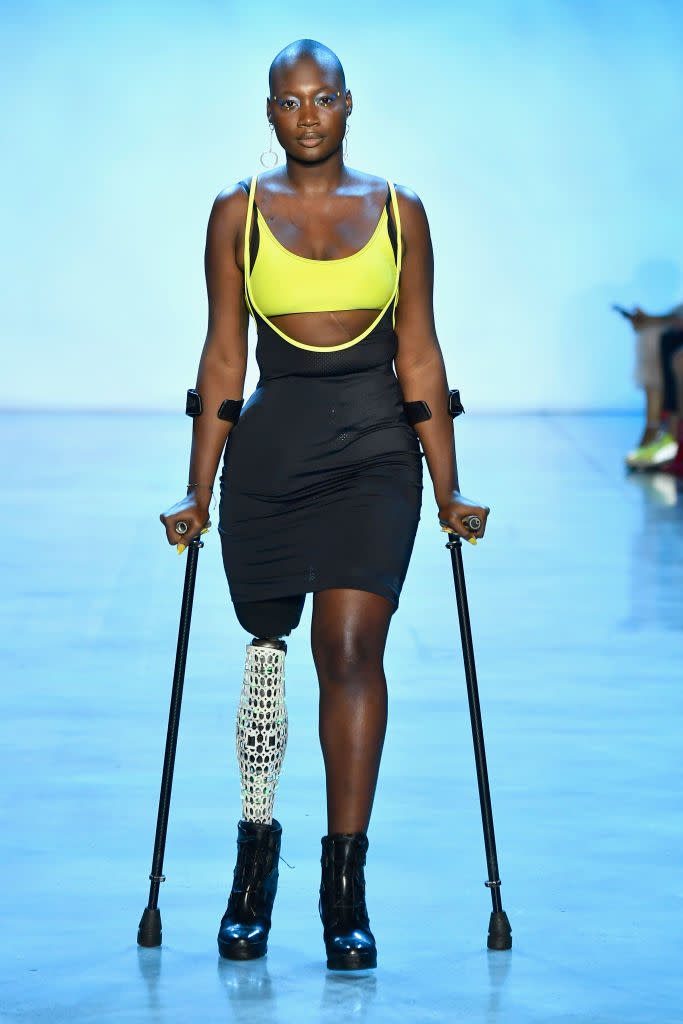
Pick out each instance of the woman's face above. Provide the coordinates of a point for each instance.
(308, 109)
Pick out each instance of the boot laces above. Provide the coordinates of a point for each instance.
(252, 865)
(354, 897)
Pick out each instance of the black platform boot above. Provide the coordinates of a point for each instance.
(349, 942)
(243, 934)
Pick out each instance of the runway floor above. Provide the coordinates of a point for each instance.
(576, 597)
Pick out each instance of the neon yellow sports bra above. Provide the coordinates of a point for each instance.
(282, 282)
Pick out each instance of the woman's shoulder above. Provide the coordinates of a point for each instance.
(375, 185)
(233, 196)
(229, 208)
(407, 198)
(413, 215)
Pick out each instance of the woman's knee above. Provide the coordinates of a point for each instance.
(348, 634)
(343, 659)
(348, 656)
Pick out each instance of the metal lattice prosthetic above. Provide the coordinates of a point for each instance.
(261, 729)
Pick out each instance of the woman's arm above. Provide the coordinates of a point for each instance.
(223, 361)
(639, 319)
(420, 366)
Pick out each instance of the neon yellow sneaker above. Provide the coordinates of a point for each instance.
(653, 454)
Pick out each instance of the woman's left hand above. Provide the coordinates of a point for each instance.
(452, 513)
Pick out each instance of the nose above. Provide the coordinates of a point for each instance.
(308, 114)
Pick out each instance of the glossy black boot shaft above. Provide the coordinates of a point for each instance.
(243, 933)
(349, 943)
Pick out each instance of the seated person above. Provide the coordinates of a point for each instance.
(657, 444)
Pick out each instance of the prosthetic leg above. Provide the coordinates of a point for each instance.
(262, 727)
(261, 742)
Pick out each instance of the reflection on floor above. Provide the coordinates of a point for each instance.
(576, 599)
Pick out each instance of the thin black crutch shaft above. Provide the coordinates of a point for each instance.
(455, 546)
(500, 934)
(149, 932)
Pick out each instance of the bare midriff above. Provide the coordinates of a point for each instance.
(325, 330)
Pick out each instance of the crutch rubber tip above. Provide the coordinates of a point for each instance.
(149, 929)
(500, 933)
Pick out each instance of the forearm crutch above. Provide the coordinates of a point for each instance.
(149, 929)
(500, 934)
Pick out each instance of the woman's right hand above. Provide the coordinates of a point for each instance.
(193, 510)
(638, 318)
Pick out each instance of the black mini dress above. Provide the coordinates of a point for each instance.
(321, 482)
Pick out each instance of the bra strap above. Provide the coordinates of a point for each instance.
(399, 245)
(391, 227)
(247, 243)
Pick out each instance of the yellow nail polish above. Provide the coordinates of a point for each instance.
(181, 548)
(472, 540)
(205, 530)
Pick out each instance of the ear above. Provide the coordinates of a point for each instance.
(269, 108)
(349, 102)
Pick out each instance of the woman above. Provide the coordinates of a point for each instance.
(321, 482)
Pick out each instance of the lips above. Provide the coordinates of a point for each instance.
(309, 140)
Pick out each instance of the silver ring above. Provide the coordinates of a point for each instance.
(472, 522)
(181, 527)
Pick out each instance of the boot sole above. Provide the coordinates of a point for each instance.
(351, 961)
(241, 951)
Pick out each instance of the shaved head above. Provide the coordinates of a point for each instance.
(306, 49)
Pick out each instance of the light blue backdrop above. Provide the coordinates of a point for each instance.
(543, 136)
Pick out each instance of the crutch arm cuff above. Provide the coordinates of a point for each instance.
(229, 409)
(455, 407)
(417, 412)
(193, 403)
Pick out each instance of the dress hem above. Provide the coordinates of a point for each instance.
(283, 588)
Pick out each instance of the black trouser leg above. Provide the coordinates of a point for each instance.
(669, 343)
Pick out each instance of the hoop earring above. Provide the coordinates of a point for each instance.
(269, 157)
(346, 142)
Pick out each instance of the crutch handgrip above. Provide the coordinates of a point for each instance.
(472, 522)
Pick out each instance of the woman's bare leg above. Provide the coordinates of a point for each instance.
(653, 415)
(348, 635)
